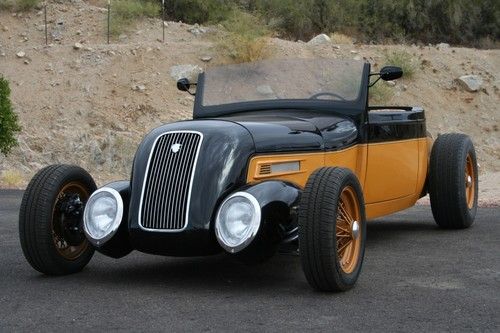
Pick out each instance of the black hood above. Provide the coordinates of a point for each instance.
(295, 131)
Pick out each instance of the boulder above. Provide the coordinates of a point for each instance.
(320, 39)
(185, 71)
(443, 46)
(471, 83)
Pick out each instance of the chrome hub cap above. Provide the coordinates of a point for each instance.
(468, 182)
(355, 230)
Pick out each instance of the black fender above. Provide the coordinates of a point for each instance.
(119, 245)
(278, 201)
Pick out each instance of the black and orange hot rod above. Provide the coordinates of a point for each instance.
(279, 152)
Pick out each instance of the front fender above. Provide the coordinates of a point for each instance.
(278, 201)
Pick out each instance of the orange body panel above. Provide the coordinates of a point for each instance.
(391, 174)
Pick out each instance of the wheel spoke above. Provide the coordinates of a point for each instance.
(343, 247)
(343, 229)
(346, 212)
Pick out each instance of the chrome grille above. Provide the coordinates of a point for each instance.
(167, 186)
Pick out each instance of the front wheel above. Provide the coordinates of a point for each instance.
(50, 220)
(332, 229)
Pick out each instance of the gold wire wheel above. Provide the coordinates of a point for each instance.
(348, 230)
(470, 182)
(66, 250)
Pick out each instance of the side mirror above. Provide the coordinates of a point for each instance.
(389, 73)
(183, 84)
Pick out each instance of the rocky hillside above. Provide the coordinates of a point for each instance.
(83, 101)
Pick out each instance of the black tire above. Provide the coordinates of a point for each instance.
(453, 196)
(49, 246)
(319, 222)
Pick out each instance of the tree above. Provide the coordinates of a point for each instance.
(8, 120)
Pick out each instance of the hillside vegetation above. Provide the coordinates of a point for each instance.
(461, 22)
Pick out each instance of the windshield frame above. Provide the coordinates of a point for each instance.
(352, 107)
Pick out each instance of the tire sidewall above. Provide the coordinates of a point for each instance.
(469, 213)
(74, 174)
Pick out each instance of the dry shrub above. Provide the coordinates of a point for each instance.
(11, 179)
(380, 94)
(245, 39)
(339, 38)
(125, 12)
(18, 5)
(404, 60)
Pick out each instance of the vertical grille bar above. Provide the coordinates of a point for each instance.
(168, 181)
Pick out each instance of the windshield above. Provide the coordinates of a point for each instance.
(288, 79)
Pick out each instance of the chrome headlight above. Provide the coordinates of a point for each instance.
(237, 221)
(103, 215)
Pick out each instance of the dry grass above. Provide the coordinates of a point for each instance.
(404, 60)
(338, 38)
(11, 179)
(380, 94)
(18, 5)
(245, 39)
(125, 12)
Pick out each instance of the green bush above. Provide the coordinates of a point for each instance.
(463, 22)
(199, 11)
(125, 12)
(22, 5)
(453, 21)
(404, 60)
(8, 119)
(246, 38)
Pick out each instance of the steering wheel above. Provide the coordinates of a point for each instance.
(316, 96)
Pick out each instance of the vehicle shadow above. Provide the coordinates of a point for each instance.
(214, 273)
(222, 272)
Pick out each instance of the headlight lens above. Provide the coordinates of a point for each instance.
(103, 215)
(238, 221)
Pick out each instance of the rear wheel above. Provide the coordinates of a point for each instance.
(50, 220)
(332, 229)
(453, 181)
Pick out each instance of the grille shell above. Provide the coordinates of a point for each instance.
(166, 191)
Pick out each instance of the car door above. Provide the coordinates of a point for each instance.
(393, 153)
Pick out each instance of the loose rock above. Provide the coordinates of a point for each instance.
(78, 46)
(320, 39)
(139, 87)
(206, 58)
(197, 30)
(443, 46)
(190, 72)
(21, 54)
(265, 90)
(471, 83)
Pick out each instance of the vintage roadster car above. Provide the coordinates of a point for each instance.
(280, 154)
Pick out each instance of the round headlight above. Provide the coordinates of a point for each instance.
(103, 215)
(238, 221)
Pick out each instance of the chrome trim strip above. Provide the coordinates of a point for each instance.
(188, 203)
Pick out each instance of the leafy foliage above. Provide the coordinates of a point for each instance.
(404, 60)
(8, 119)
(246, 37)
(22, 5)
(465, 22)
(199, 11)
(124, 12)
